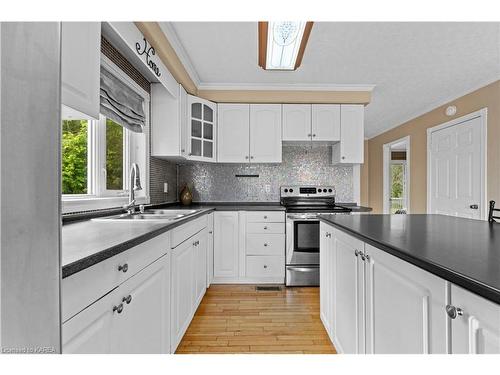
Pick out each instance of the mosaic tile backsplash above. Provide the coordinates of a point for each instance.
(301, 165)
(161, 171)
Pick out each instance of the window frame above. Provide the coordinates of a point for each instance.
(99, 197)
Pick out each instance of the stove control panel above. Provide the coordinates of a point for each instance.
(307, 191)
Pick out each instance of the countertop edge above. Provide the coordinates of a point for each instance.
(439, 270)
(91, 260)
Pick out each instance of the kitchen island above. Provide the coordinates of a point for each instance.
(410, 283)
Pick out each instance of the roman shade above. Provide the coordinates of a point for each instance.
(120, 103)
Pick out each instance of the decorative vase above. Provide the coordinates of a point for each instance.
(186, 196)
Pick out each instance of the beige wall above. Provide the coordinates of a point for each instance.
(486, 97)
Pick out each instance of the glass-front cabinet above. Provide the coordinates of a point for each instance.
(201, 117)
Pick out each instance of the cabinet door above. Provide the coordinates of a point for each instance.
(404, 307)
(210, 249)
(325, 279)
(90, 330)
(348, 294)
(226, 247)
(200, 258)
(326, 122)
(265, 133)
(143, 325)
(80, 69)
(233, 133)
(350, 149)
(477, 330)
(297, 122)
(182, 290)
(202, 116)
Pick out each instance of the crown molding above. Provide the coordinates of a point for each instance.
(169, 31)
(284, 87)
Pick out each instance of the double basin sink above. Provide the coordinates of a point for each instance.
(150, 215)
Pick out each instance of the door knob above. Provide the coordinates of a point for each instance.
(474, 206)
(453, 311)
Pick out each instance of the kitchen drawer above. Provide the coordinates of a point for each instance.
(265, 228)
(265, 244)
(265, 266)
(83, 288)
(265, 216)
(183, 232)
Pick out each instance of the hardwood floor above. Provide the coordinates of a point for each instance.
(239, 319)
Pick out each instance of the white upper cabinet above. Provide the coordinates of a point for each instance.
(233, 133)
(202, 115)
(326, 122)
(350, 149)
(249, 133)
(297, 122)
(80, 69)
(168, 122)
(265, 133)
(182, 126)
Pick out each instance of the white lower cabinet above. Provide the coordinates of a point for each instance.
(210, 248)
(404, 306)
(133, 318)
(226, 246)
(476, 326)
(249, 247)
(347, 281)
(189, 283)
(373, 302)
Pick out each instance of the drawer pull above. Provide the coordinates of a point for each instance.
(265, 227)
(118, 308)
(265, 216)
(127, 299)
(123, 268)
(265, 245)
(265, 265)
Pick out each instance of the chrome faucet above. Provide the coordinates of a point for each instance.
(135, 184)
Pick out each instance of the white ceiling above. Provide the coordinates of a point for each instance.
(415, 66)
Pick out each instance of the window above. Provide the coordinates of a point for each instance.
(97, 156)
(398, 187)
(74, 156)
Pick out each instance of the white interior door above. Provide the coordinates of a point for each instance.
(456, 170)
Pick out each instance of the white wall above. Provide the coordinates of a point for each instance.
(30, 186)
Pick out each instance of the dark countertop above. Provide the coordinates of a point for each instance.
(232, 206)
(85, 243)
(465, 252)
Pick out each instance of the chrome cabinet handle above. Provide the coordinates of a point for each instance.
(453, 311)
(246, 157)
(210, 232)
(265, 265)
(118, 308)
(343, 157)
(127, 299)
(363, 258)
(265, 227)
(309, 134)
(265, 245)
(356, 252)
(123, 268)
(265, 216)
(367, 257)
(474, 207)
(314, 135)
(182, 150)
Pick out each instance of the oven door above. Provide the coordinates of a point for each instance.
(302, 240)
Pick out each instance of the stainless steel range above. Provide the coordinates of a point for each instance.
(303, 204)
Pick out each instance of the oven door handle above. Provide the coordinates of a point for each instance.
(303, 269)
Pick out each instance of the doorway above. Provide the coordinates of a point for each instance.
(456, 167)
(396, 176)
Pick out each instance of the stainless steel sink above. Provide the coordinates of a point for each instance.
(150, 215)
